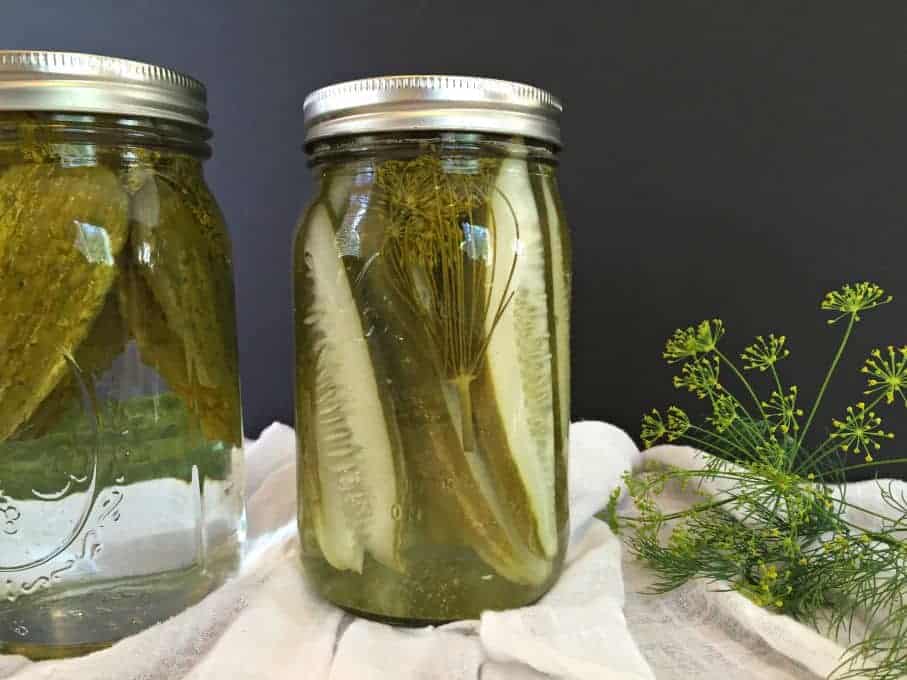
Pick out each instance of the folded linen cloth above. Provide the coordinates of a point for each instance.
(594, 624)
(266, 623)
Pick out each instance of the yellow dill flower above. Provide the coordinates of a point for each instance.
(782, 412)
(653, 428)
(699, 376)
(765, 352)
(678, 423)
(853, 298)
(687, 343)
(860, 431)
(724, 413)
(887, 374)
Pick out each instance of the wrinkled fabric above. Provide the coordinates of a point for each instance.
(595, 624)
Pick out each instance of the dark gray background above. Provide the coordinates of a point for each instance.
(724, 158)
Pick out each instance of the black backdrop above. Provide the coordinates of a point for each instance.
(724, 158)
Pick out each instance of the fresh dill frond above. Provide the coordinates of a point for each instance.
(441, 262)
(779, 527)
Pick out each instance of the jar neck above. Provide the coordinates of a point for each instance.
(382, 146)
(47, 129)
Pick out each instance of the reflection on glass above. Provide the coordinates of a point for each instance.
(432, 383)
(120, 429)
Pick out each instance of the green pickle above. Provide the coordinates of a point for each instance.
(119, 392)
(61, 230)
(432, 378)
(179, 301)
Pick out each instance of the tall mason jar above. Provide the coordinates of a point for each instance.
(432, 291)
(120, 425)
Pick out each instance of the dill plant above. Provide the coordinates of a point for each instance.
(782, 530)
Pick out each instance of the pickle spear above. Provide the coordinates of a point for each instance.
(513, 393)
(94, 355)
(358, 489)
(561, 281)
(61, 230)
(454, 286)
(179, 300)
(455, 482)
(458, 480)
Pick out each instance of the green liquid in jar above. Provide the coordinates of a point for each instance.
(433, 387)
(120, 433)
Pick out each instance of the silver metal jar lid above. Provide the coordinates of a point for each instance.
(432, 102)
(86, 83)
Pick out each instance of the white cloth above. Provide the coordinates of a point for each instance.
(594, 625)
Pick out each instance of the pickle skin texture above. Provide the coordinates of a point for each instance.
(513, 392)
(355, 460)
(178, 311)
(562, 280)
(61, 231)
(106, 341)
(469, 503)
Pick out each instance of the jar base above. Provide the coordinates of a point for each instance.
(69, 622)
(450, 585)
(417, 622)
(398, 622)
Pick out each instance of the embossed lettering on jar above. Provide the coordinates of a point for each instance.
(120, 426)
(432, 345)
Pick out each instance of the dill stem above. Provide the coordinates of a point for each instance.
(777, 379)
(829, 446)
(742, 379)
(751, 437)
(708, 449)
(682, 473)
(859, 508)
(831, 370)
(464, 394)
(875, 463)
(682, 513)
(699, 444)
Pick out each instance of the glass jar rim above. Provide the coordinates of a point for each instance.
(370, 145)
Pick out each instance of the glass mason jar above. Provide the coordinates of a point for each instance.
(120, 425)
(432, 290)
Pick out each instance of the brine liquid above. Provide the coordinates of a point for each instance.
(117, 518)
(444, 494)
(120, 425)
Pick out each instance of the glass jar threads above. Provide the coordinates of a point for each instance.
(120, 425)
(432, 289)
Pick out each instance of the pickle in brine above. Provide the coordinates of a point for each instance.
(454, 497)
(351, 483)
(457, 258)
(94, 355)
(514, 393)
(61, 231)
(178, 299)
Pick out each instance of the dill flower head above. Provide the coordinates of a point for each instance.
(678, 423)
(724, 413)
(782, 412)
(654, 427)
(699, 376)
(860, 431)
(765, 352)
(851, 299)
(419, 192)
(687, 343)
(887, 373)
